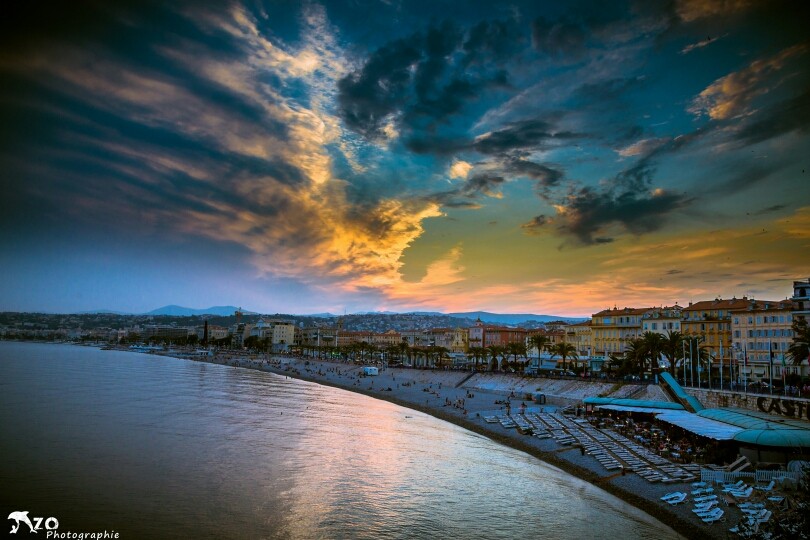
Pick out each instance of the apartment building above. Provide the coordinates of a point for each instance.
(662, 320)
(612, 329)
(761, 334)
(711, 321)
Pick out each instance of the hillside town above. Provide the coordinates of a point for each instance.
(716, 342)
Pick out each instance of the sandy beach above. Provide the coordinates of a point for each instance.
(448, 395)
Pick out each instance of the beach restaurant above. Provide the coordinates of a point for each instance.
(760, 437)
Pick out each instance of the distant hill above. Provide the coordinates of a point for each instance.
(511, 318)
(103, 312)
(180, 311)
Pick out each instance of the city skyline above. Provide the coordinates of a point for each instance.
(308, 157)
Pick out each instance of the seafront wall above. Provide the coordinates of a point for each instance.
(558, 391)
(779, 406)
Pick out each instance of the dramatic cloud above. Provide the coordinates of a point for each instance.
(426, 78)
(344, 149)
(533, 134)
(732, 96)
(591, 217)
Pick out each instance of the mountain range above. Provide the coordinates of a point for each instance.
(485, 316)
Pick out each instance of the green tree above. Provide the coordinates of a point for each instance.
(516, 349)
(478, 354)
(564, 351)
(635, 356)
(653, 344)
(672, 350)
(495, 351)
(540, 342)
(799, 349)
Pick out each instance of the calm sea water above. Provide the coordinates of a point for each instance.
(155, 447)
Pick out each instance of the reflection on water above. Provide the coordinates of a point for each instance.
(156, 447)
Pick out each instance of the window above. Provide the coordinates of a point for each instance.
(750, 320)
(736, 320)
(759, 319)
(736, 333)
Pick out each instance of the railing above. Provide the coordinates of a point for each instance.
(763, 477)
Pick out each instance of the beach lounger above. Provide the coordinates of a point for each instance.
(704, 491)
(704, 509)
(677, 500)
(673, 495)
(743, 494)
(731, 487)
(699, 485)
(705, 498)
(717, 516)
(708, 513)
(769, 487)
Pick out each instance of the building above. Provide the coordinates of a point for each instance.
(453, 339)
(580, 336)
(801, 298)
(317, 336)
(215, 333)
(483, 335)
(415, 338)
(761, 335)
(279, 334)
(156, 331)
(710, 320)
(612, 329)
(662, 320)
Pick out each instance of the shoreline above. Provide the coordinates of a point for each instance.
(627, 488)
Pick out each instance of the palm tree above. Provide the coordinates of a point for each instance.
(635, 354)
(799, 350)
(515, 349)
(653, 343)
(478, 353)
(613, 364)
(495, 351)
(540, 341)
(402, 348)
(440, 354)
(672, 349)
(564, 351)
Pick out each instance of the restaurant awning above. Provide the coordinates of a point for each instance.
(705, 427)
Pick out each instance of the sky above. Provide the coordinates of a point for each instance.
(304, 157)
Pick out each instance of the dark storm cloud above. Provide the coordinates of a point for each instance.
(546, 176)
(587, 214)
(424, 79)
(784, 117)
(561, 37)
(482, 183)
(368, 96)
(524, 134)
(491, 41)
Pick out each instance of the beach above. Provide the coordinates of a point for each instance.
(453, 397)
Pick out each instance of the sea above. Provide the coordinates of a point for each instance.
(148, 446)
